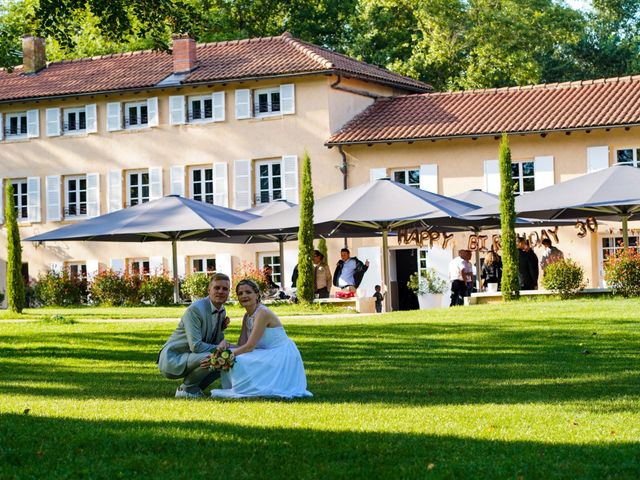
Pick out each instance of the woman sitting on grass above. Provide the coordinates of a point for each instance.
(268, 363)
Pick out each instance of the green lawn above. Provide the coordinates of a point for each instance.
(530, 390)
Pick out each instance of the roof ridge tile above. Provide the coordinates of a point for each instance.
(302, 47)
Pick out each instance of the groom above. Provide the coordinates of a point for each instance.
(200, 332)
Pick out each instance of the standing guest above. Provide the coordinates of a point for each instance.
(492, 270)
(379, 297)
(528, 266)
(460, 273)
(349, 271)
(200, 332)
(321, 275)
(551, 254)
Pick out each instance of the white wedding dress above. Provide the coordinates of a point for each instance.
(273, 369)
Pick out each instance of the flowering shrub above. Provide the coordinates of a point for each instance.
(248, 270)
(195, 286)
(113, 289)
(622, 272)
(563, 276)
(430, 282)
(157, 290)
(59, 289)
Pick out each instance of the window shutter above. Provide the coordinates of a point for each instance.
(92, 118)
(220, 185)
(93, 268)
(377, 173)
(492, 177)
(53, 122)
(52, 184)
(597, 158)
(56, 267)
(177, 180)
(33, 123)
(33, 199)
(217, 98)
(181, 261)
(287, 99)
(93, 195)
(223, 264)
(152, 112)
(115, 190)
(242, 184)
(114, 117)
(177, 110)
(156, 265)
(1, 128)
(116, 264)
(429, 178)
(2, 199)
(243, 104)
(155, 183)
(290, 177)
(543, 171)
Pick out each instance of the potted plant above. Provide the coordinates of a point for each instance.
(429, 288)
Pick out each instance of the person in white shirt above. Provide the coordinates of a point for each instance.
(460, 276)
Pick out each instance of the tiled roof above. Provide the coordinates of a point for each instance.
(533, 109)
(221, 61)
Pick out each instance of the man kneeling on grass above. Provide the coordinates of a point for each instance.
(199, 333)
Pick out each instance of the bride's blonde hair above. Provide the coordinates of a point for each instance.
(254, 286)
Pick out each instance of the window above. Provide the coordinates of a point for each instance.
(137, 187)
(628, 156)
(77, 270)
(16, 125)
(271, 259)
(139, 267)
(20, 198)
(266, 101)
(75, 120)
(523, 177)
(200, 108)
(136, 115)
(409, 177)
(203, 265)
(268, 181)
(75, 196)
(202, 184)
(612, 245)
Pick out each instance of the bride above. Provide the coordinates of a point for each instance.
(268, 363)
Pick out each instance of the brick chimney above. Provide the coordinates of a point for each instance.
(184, 53)
(34, 57)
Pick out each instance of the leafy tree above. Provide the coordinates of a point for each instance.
(510, 277)
(15, 282)
(304, 286)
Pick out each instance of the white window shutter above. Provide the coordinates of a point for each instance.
(543, 171)
(287, 99)
(290, 178)
(92, 118)
(217, 99)
(115, 190)
(152, 112)
(53, 122)
(429, 178)
(114, 117)
(116, 264)
(33, 123)
(2, 199)
(156, 265)
(220, 185)
(182, 264)
(377, 173)
(243, 103)
(223, 264)
(155, 183)
(33, 199)
(93, 195)
(597, 158)
(177, 180)
(242, 184)
(56, 267)
(1, 128)
(492, 177)
(52, 184)
(177, 110)
(93, 268)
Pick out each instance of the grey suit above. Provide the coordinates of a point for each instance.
(197, 335)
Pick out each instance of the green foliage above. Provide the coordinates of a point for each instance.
(510, 258)
(59, 289)
(564, 277)
(248, 270)
(304, 286)
(58, 320)
(430, 282)
(322, 248)
(157, 290)
(195, 286)
(15, 282)
(110, 288)
(622, 272)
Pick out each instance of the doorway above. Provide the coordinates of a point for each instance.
(406, 265)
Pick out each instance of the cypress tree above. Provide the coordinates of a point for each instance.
(510, 270)
(304, 286)
(322, 248)
(15, 282)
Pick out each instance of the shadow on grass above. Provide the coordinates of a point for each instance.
(33, 447)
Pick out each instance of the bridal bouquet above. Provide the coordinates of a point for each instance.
(222, 360)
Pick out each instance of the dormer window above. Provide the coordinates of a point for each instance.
(16, 125)
(136, 115)
(266, 101)
(75, 120)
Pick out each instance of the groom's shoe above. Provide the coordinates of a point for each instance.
(180, 393)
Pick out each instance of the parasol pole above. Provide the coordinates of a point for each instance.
(176, 280)
(385, 266)
(281, 252)
(625, 230)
